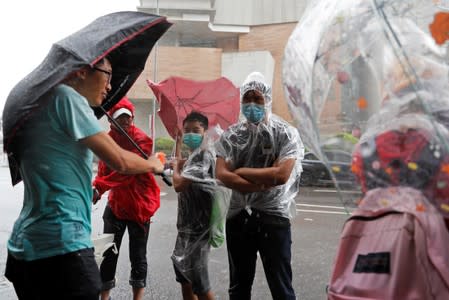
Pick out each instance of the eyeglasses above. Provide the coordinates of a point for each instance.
(105, 72)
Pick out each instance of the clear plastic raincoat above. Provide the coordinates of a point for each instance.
(262, 145)
(202, 210)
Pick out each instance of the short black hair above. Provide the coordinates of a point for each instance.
(102, 61)
(196, 116)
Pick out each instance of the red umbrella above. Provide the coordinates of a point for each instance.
(218, 99)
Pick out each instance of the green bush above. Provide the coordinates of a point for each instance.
(167, 145)
(164, 144)
(348, 137)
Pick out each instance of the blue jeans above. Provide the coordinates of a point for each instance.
(271, 237)
(72, 276)
(138, 238)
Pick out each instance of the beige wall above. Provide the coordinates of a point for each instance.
(193, 63)
(272, 38)
(331, 114)
(205, 64)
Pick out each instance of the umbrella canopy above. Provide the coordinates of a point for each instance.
(218, 99)
(374, 64)
(125, 37)
(367, 52)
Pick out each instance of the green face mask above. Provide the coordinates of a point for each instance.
(192, 140)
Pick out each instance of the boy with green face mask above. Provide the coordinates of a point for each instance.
(194, 181)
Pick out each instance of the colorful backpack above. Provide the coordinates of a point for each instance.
(411, 157)
(394, 246)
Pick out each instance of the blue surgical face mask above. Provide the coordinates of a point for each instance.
(254, 113)
(192, 140)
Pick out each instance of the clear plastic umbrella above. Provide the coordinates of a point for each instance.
(373, 64)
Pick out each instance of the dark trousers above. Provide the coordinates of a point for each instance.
(72, 276)
(138, 238)
(271, 237)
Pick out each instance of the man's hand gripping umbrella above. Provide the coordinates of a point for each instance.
(144, 155)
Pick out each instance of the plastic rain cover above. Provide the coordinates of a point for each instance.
(262, 145)
(202, 209)
(373, 66)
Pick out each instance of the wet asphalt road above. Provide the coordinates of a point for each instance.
(315, 233)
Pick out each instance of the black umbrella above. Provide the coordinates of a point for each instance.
(125, 37)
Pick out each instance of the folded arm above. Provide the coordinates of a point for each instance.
(234, 181)
(278, 174)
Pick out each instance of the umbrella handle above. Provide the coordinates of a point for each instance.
(164, 177)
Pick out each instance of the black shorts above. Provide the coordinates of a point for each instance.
(70, 276)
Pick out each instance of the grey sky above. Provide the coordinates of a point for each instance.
(29, 28)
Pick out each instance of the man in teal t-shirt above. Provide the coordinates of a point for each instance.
(57, 171)
(50, 254)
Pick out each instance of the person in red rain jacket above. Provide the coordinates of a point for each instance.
(132, 201)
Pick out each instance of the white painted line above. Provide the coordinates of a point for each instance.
(321, 206)
(163, 194)
(323, 211)
(335, 191)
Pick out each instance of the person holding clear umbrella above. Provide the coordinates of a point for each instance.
(259, 158)
(50, 254)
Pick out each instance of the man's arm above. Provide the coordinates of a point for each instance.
(234, 181)
(116, 158)
(270, 176)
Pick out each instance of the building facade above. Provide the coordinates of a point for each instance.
(210, 39)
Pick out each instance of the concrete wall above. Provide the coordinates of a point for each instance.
(230, 12)
(177, 4)
(257, 12)
(237, 65)
(262, 49)
(212, 63)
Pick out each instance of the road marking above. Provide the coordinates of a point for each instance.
(321, 206)
(335, 191)
(323, 211)
(336, 210)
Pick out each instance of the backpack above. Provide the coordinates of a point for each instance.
(394, 246)
(411, 157)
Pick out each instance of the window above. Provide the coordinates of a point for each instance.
(310, 156)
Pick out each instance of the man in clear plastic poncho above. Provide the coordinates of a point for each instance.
(259, 158)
